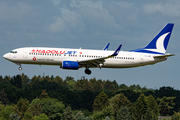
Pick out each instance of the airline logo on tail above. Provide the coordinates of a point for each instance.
(159, 44)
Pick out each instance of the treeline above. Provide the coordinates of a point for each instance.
(55, 99)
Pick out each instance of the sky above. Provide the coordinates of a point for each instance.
(91, 24)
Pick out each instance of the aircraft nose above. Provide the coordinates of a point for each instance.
(5, 56)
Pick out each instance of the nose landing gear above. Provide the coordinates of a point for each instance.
(20, 68)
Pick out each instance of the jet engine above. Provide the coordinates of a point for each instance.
(70, 65)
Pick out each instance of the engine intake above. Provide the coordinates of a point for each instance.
(70, 65)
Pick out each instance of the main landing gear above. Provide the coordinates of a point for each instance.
(87, 71)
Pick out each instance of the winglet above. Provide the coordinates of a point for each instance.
(106, 47)
(117, 51)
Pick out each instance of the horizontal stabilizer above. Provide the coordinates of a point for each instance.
(166, 55)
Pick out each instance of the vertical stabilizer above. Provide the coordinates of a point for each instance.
(160, 42)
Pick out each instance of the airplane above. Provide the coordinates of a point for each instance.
(73, 59)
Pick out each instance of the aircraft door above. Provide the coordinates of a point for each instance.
(141, 59)
(25, 54)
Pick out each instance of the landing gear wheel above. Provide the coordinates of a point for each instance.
(87, 71)
(20, 68)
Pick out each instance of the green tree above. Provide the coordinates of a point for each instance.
(131, 95)
(78, 85)
(88, 118)
(123, 87)
(16, 81)
(34, 79)
(149, 115)
(13, 93)
(58, 80)
(107, 118)
(99, 115)
(153, 107)
(124, 114)
(41, 117)
(107, 111)
(52, 78)
(165, 119)
(7, 78)
(3, 97)
(79, 116)
(1, 78)
(69, 78)
(6, 111)
(175, 117)
(119, 101)
(71, 84)
(44, 94)
(14, 116)
(68, 114)
(86, 85)
(35, 109)
(165, 104)
(51, 107)
(95, 84)
(100, 102)
(21, 107)
(1, 108)
(47, 78)
(108, 85)
(149, 92)
(140, 107)
(134, 87)
(27, 116)
(169, 92)
(82, 84)
(25, 78)
(115, 85)
(88, 99)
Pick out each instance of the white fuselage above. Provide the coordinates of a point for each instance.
(55, 56)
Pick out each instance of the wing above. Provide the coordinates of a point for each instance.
(99, 61)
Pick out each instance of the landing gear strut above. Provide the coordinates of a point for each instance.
(87, 71)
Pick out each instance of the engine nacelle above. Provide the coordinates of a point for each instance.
(70, 65)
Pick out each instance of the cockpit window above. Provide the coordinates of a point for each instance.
(13, 51)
